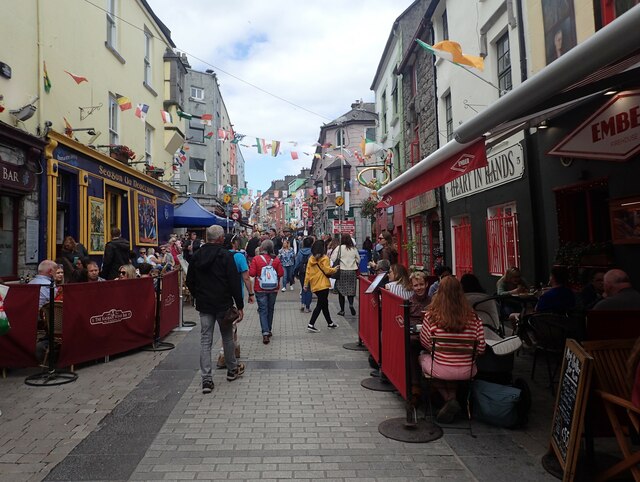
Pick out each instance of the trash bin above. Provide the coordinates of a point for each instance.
(365, 257)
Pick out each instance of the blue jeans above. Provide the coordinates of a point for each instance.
(287, 279)
(207, 324)
(266, 304)
(305, 296)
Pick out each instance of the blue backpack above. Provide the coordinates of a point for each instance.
(268, 279)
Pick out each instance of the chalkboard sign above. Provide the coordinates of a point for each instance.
(568, 415)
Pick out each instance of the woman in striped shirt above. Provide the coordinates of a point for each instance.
(400, 284)
(450, 315)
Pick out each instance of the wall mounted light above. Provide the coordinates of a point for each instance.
(543, 125)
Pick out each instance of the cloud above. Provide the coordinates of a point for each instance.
(319, 56)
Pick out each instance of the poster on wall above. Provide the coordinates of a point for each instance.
(625, 220)
(559, 27)
(96, 225)
(147, 220)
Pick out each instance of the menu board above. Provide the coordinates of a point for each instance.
(568, 415)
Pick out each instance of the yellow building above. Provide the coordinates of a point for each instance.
(72, 69)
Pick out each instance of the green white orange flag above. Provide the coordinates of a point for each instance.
(184, 115)
(452, 52)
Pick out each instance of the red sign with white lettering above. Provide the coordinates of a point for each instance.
(612, 133)
(348, 226)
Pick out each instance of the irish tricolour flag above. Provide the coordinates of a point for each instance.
(452, 52)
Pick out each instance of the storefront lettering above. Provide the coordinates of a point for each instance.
(16, 177)
(143, 187)
(615, 124)
(503, 167)
(8, 175)
(126, 180)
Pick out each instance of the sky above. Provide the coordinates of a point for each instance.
(319, 55)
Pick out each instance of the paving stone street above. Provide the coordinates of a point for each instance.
(298, 413)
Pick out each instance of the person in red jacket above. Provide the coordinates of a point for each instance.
(266, 298)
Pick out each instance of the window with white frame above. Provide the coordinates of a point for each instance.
(445, 26)
(383, 110)
(197, 93)
(394, 99)
(503, 241)
(448, 116)
(148, 144)
(112, 32)
(341, 138)
(114, 113)
(504, 64)
(148, 44)
(196, 131)
(370, 133)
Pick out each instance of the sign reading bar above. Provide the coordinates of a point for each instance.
(16, 177)
(502, 167)
(612, 133)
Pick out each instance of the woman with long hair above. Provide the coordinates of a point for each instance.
(399, 282)
(450, 315)
(316, 279)
(287, 258)
(389, 251)
(127, 271)
(347, 258)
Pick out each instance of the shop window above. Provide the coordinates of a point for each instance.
(114, 209)
(8, 236)
(502, 238)
(612, 9)
(462, 252)
(583, 213)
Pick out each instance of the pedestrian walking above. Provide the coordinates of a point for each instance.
(347, 258)
(213, 280)
(116, 253)
(287, 258)
(266, 269)
(300, 270)
(317, 281)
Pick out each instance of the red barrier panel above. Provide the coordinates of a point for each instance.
(368, 329)
(106, 318)
(18, 347)
(169, 303)
(393, 343)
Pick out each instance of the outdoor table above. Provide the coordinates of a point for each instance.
(527, 302)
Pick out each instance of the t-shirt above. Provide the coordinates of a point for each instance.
(241, 265)
(399, 290)
(559, 299)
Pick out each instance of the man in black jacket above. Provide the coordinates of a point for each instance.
(214, 282)
(116, 254)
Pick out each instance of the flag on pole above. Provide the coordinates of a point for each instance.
(209, 135)
(166, 117)
(46, 79)
(452, 52)
(294, 155)
(141, 111)
(206, 119)
(78, 78)
(184, 115)
(275, 147)
(123, 102)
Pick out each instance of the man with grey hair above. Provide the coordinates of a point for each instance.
(618, 292)
(46, 271)
(214, 282)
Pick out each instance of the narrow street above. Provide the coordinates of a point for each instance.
(298, 413)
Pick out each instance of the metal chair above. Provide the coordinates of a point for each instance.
(457, 346)
(549, 332)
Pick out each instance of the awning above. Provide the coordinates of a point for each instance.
(444, 165)
(191, 214)
(608, 51)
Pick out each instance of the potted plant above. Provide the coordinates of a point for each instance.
(121, 153)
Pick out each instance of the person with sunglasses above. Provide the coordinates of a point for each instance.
(127, 271)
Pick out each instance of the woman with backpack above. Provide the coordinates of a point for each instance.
(317, 281)
(300, 269)
(266, 269)
(347, 258)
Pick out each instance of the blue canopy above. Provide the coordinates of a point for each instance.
(191, 214)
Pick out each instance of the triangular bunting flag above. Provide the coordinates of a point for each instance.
(78, 78)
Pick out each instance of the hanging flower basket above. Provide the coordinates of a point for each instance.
(121, 153)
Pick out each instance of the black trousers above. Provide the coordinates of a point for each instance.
(321, 305)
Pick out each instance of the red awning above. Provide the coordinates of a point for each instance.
(468, 158)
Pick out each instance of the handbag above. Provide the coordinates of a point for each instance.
(335, 275)
(231, 315)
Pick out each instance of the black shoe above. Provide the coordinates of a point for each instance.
(312, 329)
(353, 310)
(332, 325)
(207, 386)
(341, 313)
(235, 374)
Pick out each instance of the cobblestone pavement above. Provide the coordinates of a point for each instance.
(298, 413)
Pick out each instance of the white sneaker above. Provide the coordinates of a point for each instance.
(291, 287)
(283, 289)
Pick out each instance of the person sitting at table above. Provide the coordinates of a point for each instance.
(166, 258)
(58, 277)
(560, 298)
(152, 258)
(449, 315)
(618, 292)
(142, 256)
(440, 272)
(419, 297)
(127, 271)
(593, 291)
(93, 272)
(399, 282)
(511, 283)
(46, 272)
